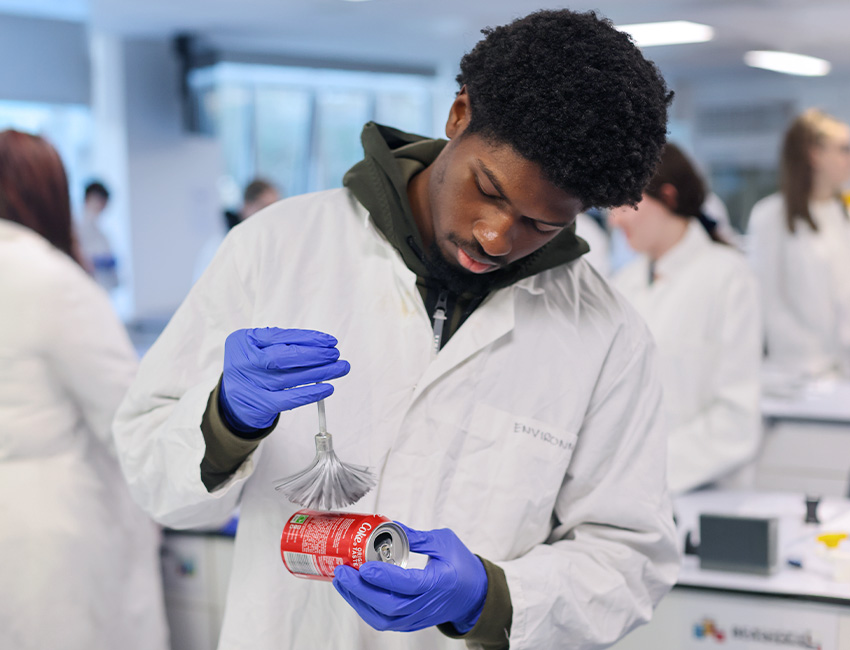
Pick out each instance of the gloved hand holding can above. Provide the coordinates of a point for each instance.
(450, 589)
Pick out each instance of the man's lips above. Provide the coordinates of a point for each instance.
(474, 265)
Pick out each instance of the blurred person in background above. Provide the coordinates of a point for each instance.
(799, 243)
(700, 300)
(714, 209)
(79, 561)
(713, 215)
(97, 253)
(258, 194)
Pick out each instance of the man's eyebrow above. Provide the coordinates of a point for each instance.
(501, 192)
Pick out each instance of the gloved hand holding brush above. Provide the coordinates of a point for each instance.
(450, 589)
(269, 370)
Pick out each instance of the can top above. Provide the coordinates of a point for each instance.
(388, 543)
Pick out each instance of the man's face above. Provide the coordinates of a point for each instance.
(484, 205)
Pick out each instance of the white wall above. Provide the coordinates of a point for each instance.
(733, 125)
(43, 60)
(754, 88)
(173, 198)
(165, 202)
(109, 159)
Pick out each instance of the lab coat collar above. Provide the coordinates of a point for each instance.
(532, 285)
(491, 321)
(695, 240)
(495, 318)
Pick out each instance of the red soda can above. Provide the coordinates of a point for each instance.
(313, 543)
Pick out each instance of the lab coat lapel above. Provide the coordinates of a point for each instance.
(492, 320)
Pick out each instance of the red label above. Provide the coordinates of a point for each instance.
(314, 543)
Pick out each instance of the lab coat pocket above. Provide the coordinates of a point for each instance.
(509, 474)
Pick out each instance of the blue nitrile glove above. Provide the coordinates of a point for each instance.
(268, 370)
(450, 589)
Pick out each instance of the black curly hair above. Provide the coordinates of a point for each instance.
(569, 92)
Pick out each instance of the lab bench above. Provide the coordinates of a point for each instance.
(196, 570)
(806, 445)
(796, 607)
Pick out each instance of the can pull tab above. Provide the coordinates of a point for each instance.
(384, 547)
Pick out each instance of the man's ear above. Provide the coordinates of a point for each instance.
(459, 115)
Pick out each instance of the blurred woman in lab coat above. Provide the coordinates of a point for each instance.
(79, 562)
(799, 242)
(700, 300)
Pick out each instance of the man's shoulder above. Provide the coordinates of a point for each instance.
(605, 326)
(305, 216)
(582, 294)
(299, 232)
(326, 203)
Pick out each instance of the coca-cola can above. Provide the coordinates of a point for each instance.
(314, 543)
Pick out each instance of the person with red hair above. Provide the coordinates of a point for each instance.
(79, 560)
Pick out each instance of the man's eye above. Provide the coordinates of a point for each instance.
(483, 193)
(544, 228)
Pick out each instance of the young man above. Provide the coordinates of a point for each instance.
(505, 397)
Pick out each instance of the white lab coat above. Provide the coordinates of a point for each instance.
(703, 311)
(805, 287)
(600, 245)
(532, 434)
(79, 562)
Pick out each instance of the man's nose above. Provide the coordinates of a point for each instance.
(495, 234)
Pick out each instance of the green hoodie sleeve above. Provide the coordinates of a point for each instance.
(225, 449)
(492, 631)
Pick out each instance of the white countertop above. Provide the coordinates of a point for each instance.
(826, 400)
(796, 540)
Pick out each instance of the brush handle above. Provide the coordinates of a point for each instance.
(323, 425)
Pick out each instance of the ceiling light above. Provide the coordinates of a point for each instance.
(673, 32)
(788, 63)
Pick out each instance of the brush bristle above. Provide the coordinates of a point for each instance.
(328, 484)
